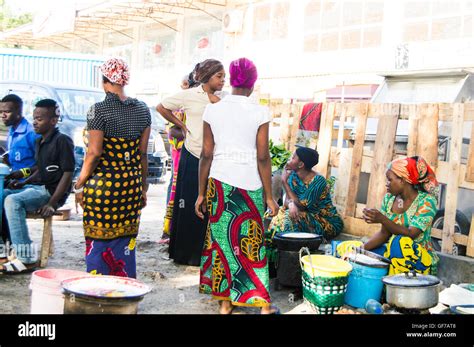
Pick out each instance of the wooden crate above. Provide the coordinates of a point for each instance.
(422, 140)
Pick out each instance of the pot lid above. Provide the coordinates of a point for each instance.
(411, 279)
(106, 287)
(364, 259)
(299, 236)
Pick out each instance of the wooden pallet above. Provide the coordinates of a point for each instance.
(422, 140)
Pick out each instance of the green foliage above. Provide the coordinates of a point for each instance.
(7, 21)
(331, 181)
(280, 156)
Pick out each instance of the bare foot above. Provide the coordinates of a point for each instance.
(226, 307)
(270, 310)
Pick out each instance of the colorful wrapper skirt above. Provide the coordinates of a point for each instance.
(176, 146)
(234, 264)
(111, 257)
(175, 156)
(112, 208)
(407, 255)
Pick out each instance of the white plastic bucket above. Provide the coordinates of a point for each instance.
(46, 290)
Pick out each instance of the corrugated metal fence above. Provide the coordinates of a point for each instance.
(79, 72)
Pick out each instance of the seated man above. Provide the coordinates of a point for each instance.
(21, 140)
(44, 191)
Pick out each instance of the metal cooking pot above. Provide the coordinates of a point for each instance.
(102, 295)
(294, 241)
(412, 290)
(287, 264)
(82, 304)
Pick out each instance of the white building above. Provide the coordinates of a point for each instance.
(301, 47)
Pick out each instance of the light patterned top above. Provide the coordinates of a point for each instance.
(419, 215)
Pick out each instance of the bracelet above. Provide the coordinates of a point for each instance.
(77, 190)
(26, 172)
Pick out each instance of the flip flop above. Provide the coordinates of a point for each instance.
(164, 241)
(15, 267)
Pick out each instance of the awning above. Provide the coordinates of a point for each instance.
(113, 15)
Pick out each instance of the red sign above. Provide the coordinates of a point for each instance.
(157, 49)
(203, 43)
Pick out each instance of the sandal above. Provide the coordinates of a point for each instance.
(15, 267)
(164, 241)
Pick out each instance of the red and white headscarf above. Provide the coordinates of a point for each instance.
(416, 171)
(116, 70)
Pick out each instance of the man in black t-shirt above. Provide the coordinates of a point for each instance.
(44, 191)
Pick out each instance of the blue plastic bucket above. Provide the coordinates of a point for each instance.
(334, 244)
(365, 280)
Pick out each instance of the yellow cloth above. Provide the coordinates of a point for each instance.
(347, 246)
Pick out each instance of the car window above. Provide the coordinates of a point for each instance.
(29, 94)
(76, 103)
(157, 121)
(35, 94)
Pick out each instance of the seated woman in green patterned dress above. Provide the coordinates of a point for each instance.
(406, 216)
(308, 207)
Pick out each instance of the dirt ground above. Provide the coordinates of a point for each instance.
(175, 287)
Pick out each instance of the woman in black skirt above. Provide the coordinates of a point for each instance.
(188, 231)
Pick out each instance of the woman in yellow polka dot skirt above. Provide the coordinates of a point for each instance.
(112, 185)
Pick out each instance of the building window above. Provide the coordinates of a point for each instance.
(332, 25)
(414, 32)
(205, 38)
(312, 26)
(443, 8)
(311, 43)
(261, 22)
(350, 39)
(372, 37)
(330, 41)
(415, 9)
(352, 13)
(158, 46)
(373, 13)
(312, 19)
(271, 21)
(437, 20)
(279, 27)
(446, 28)
(467, 26)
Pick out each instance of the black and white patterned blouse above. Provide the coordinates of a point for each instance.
(116, 118)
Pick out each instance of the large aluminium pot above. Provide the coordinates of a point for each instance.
(103, 295)
(412, 290)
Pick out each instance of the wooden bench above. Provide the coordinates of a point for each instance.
(47, 246)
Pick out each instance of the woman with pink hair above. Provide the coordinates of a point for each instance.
(235, 171)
